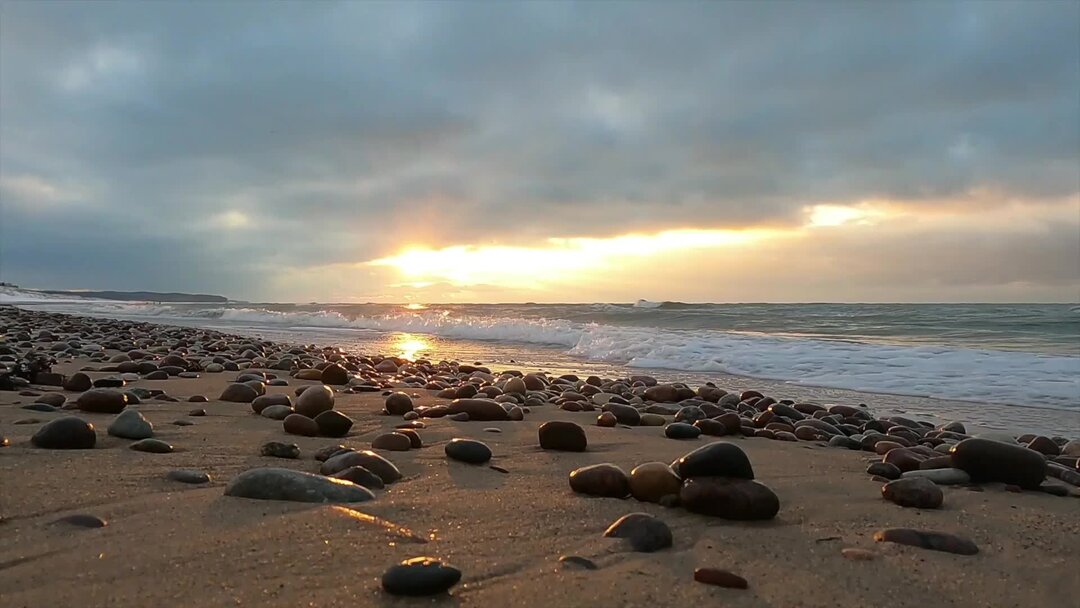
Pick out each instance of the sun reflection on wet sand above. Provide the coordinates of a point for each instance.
(410, 345)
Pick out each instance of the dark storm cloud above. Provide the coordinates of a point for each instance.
(345, 129)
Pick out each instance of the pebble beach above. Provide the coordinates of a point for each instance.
(155, 466)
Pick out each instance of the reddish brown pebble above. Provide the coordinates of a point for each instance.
(720, 578)
(859, 555)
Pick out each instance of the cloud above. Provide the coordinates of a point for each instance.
(343, 132)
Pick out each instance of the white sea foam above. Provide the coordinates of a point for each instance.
(647, 304)
(931, 371)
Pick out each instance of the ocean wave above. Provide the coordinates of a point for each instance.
(928, 371)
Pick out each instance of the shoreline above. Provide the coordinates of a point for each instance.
(167, 543)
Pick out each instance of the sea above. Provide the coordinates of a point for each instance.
(998, 366)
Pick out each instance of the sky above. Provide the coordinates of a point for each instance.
(543, 151)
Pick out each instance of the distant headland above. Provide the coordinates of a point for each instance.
(143, 296)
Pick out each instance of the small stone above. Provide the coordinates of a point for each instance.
(1044, 446)
(82, 520)
(296, 486)
(420, 576)
(625, 414)
(325, 453)
(720, 578)
(562, 436)
(917, 492)
(737, 499)
(858, 555)
(642, 531)
(364, 458)
(361, 476)
(681, 430)
(652, 481)
(130, 424)
(718, 459)
(603, 479)
(314, 401)
(78, 382)
(607, 419)
(478, 409)
(497, 468)
(492, 429)
(278, 449)
(884, 469)
(394, 442)
(943, 477)
(102, 401)
(333, 423)
(238, 393)
(398, 404)
(276, 412)
(576, 562)
(197, 412)
(39, 407)
(652, 420)
(468, 450)
(297, 424)
(67, 433)
(264, 401)
(152, 446)
(188, 476)
(935, 541)
(334, 374)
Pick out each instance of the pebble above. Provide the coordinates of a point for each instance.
(82, 520)
(298, 424)
(604, 479)
(314, 401)
(102, 401)
(324, 453)
(278, 449)
(943, 477)
(468, 450)
(478, 409)
(333, 423)
(276, 412)
(578, 562)
(652, 420)
(917, 492)
(492, 429)
(990, 460)
(39, 407)
(364, 458)
(718, 459)
(643, 532)
(497, 468)
(625, 414)
(652, 481)
(398, 404)
(858, 555)
(67, 433)
(295, 486)
(130, 424)
(152, 446)
(720, 578)
(420, 576)
(197, 412)
(394, 442)
(607, 419)
(884, 469)
(188, 476)
(238, 393)
(78, 382)
(361, 476)
(562, 436)
(935, 541)
(737, 499)
(681, 430)
(264, 401)
(334, 374)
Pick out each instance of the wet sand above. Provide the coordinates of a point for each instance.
(168, 544)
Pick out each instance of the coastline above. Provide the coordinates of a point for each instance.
(167, 544)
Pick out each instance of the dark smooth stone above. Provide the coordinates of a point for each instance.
(394, 442)
(238, 393)
(711, 427)
(102, 401)
(82, 520)
(478, 409)
(364, 458)
(109, 383)
(603, 479)
(297, 486)
(335, 374)
(420, 576)
(884, 469)
(625, 414)
(361, 476)
(67, 433)
(298, 424)
(718, 459)
(468, 450)
(917, 492)
(935, 541)
(188, 476)
(681, 430)
(578, 562)
(278, 449)
(414, 438)
(738, 499)
(642, 531)
(39, 407)
(78, 382)
(333, 423)
(324, 454)
(988, 460)
(397, 404)
(152, 446)
(562, 436)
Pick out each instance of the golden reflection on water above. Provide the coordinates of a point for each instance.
(415, 306)
(409, 345)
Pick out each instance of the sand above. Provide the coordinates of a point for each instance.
(170, 544)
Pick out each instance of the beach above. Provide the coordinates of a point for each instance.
(168, 543)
